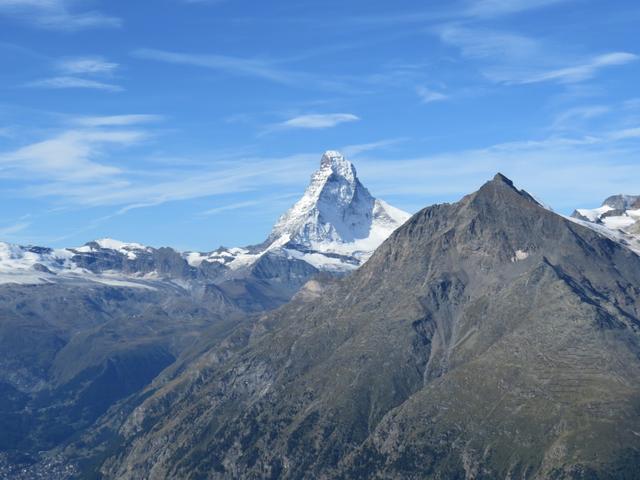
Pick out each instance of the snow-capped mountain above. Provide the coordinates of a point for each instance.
(335, 226)
(618, 218)
(104, 261)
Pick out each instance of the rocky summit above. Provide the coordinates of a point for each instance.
(335, 226)
(488, 338)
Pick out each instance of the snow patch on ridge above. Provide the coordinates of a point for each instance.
(618, 218)
(127, 249)
(520, 255)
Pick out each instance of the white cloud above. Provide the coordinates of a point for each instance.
(482, 43)
(224, 63)
(495, 8)
(429, 96)
(625, 134)
(574, 117)
(270, 70)
(74, 82)
(15, 228)
(454, 11)
(583, 71)
(116, 120)
(56, 15)
(87, 66)
(316, 121)
(512, 59)
(232, 206)
(356, 149)
(71, 156)
(150, 190)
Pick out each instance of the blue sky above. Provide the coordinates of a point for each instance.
(195, 123)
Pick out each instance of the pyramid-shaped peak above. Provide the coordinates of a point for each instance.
(338, 164)
(500, 178)
(501, 189)
(336, 208)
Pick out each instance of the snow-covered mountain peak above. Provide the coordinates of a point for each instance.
(336, 216)
(335, 226)
(335, 208)
(618, 212)
(623, 202)
(124, 248)
(337, 164)
(618, 217)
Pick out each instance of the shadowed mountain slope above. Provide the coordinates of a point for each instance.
(490, 338)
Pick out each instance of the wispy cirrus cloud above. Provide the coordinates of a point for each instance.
(464, 10)
(9, 230)
(584, 70)
(317, 121)
(70, 156)
(231, 206)
(486, 44)
(625, 134)
(74, 82)
(273, 201)
(81, 72)
(87, 66)
(495, 8)
(63, 15)
(515, 59)
(429, 96)
(269, 70)
(140, 191)
(78, 155)
(574, 117)
(228, 64)
(116, 120)
(357, 149)
(83, 167)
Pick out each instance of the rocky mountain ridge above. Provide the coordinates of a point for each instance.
(489, 338)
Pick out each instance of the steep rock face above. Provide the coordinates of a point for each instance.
(335, 226)
(335, 208)
(490, 338)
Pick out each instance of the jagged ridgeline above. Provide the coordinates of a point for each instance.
(489, 338)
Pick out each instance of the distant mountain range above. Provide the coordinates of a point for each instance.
(618, 217)
(82, 328)
(487, 338)
(334, 227)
